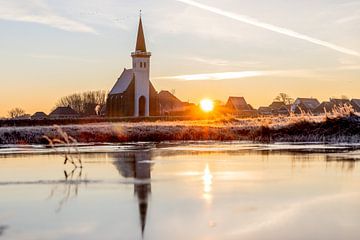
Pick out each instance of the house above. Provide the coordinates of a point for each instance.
(279, 108)
(328, 106)
(356, 104)
(239, 106)
(133, 94)
(324, 107)
(63, 113)
(265, 111)
(306, 105)
(169, 104)
(340, 102)
(39, 116)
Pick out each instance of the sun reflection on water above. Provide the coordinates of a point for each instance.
(207, 181)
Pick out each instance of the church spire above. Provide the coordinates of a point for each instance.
(140, 43)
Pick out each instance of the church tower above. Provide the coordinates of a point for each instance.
(133, 94)
(141, 70)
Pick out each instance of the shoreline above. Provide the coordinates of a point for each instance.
(344, 129)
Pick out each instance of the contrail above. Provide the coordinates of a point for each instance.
(281, 30)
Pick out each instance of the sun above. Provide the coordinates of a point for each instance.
(207, 105)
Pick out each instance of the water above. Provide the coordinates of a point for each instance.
(181, 191)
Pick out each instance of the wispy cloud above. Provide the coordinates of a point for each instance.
(270, 27)
(218, 76)
(222, 62)
(38, 12)
(63, 58)
(348, 19)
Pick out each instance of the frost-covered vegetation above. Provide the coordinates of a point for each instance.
(340, 126)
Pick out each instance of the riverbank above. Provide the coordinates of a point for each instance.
(270, 129)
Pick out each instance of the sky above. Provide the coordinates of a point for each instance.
(200, 49)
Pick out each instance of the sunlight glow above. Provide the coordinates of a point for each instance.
(207, 105)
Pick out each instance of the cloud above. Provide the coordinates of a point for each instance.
(218, 76)
(222, 62)
(270, 27)
(348, 19)
(38, 12)
(63, 58)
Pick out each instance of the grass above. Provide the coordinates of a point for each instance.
(341, 125)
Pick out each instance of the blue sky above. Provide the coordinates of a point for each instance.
(206, 48)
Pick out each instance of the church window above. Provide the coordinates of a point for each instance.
(141, 65)
(144, 64)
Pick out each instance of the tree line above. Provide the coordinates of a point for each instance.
(86, 103)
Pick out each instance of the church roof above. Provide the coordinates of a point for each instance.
(140, 43)
(123, 82)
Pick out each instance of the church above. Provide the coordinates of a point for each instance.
(133, 95)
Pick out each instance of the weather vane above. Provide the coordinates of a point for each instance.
(140, 12)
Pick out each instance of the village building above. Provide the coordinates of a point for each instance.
(306, 105)
(324, 107)
(239, 107)
(64, 113)
(133, 94)
(265, 111)
(39, 116)
(279, 108)
(356, 104)
(171, 105)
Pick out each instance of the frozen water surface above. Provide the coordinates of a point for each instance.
(194, 190)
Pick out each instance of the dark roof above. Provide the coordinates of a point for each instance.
(63, 111)
(324, 106)
(356, 101)
(309, 103)
(340, 102)
(168, 101)
(39, 115)
(237, 103)
(277, 105)
(266, 110)
(356, 104)
(140, 42)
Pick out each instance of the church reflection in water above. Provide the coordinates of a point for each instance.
(137, 165)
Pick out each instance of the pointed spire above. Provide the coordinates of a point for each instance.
(140, 43)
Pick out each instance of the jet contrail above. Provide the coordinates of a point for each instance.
(281, 30)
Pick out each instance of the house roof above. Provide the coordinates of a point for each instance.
(328, 106)
(356, 102)
(63, 111)
(168, 101)
(340, 102)
(310, 103)
(39, 114)
(238, 103)
(264, 109)
(140, 42)
(166, 96)
(123, 82)
(277, 105)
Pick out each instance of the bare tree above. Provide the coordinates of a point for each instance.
(16, 112)
(285, 98)
(86, 103)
